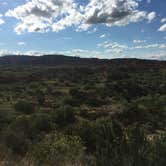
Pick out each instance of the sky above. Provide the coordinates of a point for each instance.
(85, 28)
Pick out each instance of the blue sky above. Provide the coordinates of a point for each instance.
(89, 28)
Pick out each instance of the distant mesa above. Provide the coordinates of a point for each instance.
(56, 60)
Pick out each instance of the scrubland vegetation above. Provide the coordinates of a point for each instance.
(94, 115)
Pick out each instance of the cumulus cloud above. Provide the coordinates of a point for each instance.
(162, 28)
(116, 48)
(21, 43)
(139, 41)
(157, 56)
(83, 53)
(1, 20)
(102, 36)
(57, 15)
(159, 46)
(113, 12)
(8, 52)
(43, 15)
(4, 52)
(92, 31)
(151, 16)
(119, 48)
(113, 47)
(163, 20)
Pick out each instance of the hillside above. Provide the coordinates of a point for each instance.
(55, 60)
(66, 111)
(47, 60)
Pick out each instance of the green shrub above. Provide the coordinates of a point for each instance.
(24, 107)
(137, 146)
(110, 141)
(86, 131)
(40, 124)
(16, 142)
(58, 150)
(158, 151)
(64, 116)
(6, 117)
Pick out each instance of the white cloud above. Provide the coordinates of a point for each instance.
(4, 52)
(57, 15)
(151, 16)
(1, 20)
(83, 53)
(159, 46)
(163, 20)
(113, 47)
(45, 15)
(92, 31)
(74, 52)
(162, 28)
(148, 1)
(102, 36)
(8, 52)
(162, 46)
(157, 56)
(21, 43)
(139, 41)
(119, 48)
(112, 12)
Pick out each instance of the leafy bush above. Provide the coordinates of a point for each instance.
(64, 116)
(24, 107)
(110, 141)
(40, 95)
(16, 142)
(158, 151)
(86, 131)
(40, 124)
(58, 150)
(138, 147)
(6, 117)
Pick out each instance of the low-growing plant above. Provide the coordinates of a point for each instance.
(59, 150)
